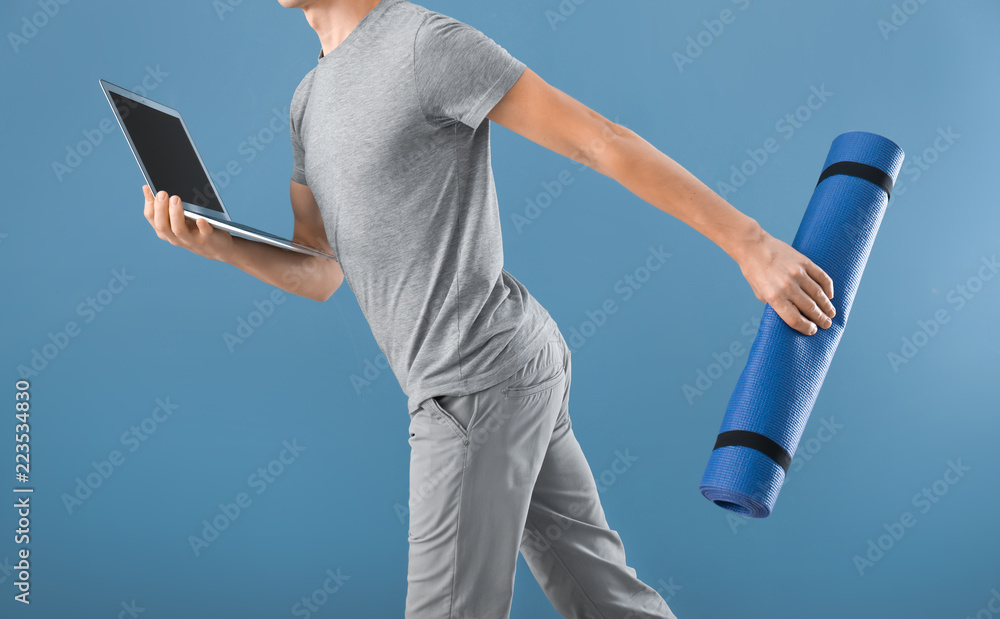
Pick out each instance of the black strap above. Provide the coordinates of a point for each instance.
(859, 170)
(753, 440)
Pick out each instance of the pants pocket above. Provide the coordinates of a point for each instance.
(464, 407)
(543, 372)
(522, 390)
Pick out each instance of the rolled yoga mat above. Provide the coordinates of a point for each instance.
(770, 405)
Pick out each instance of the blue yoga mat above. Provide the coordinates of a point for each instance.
(770, 405)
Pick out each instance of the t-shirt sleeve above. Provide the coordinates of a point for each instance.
(298, 152)
(460, 73)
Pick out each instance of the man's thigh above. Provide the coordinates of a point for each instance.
(470, 488)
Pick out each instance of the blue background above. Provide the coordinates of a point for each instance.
(335, 506)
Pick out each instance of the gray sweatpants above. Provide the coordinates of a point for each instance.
(500, 471)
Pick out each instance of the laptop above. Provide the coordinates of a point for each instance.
(167, 156)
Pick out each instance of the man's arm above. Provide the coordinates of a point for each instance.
(797, 289)
(300, 274)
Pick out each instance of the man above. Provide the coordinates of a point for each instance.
(392, 175)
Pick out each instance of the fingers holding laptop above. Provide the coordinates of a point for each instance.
(198, 236)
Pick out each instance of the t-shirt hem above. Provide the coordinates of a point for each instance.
(536, 341)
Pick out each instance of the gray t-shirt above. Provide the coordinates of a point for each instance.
(389, 131)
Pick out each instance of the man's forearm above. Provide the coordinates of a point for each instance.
(656, 178)
(300, 274)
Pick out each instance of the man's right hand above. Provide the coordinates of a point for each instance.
(199, 236)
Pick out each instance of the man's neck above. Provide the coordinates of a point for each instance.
(333, 21)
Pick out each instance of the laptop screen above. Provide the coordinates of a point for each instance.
(166, 153)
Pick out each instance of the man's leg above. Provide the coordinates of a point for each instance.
(578, 560)
(473, 463)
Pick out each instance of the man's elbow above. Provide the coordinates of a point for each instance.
(325, 292)
(321, 295)
(321, 287)
(321, 298)
(602, 151)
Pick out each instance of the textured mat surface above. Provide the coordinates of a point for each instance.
(774, 396)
